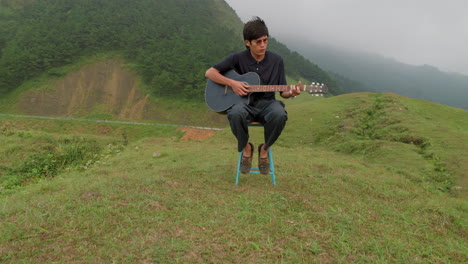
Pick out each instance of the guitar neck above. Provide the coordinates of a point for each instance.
(284, 88)
(270, 88)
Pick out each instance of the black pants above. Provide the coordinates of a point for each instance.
(270, 113)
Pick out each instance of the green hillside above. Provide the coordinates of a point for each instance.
(169, 44)
(374, 178)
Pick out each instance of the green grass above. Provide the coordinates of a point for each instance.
(163, 200)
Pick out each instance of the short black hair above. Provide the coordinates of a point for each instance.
(255, 28)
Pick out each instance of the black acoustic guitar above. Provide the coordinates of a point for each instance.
(219, 97)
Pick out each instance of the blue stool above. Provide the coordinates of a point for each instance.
(256, 170)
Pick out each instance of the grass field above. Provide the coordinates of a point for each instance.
(362, 178)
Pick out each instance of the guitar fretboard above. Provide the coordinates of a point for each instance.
(318, 88)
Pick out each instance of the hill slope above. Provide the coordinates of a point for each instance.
(105, 88)
(169, 44)
(403, 134)
(361, 178)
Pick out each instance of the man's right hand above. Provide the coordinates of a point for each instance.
(240, 88)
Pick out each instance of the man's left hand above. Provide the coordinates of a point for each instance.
(296, 90)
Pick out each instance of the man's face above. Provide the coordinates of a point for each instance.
(258, 47)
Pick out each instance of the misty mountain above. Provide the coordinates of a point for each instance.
(360, 71)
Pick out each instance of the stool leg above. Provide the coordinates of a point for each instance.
(238, 167)
(272, 167)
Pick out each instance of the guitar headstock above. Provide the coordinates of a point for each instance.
(316, 88)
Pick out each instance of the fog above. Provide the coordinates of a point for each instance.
(416, 32)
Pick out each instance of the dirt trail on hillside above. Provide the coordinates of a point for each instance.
(104, 87)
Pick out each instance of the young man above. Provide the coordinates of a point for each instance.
(263, 106)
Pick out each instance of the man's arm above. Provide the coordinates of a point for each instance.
(240, 88)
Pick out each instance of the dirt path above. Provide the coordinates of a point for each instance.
(191, 132)
(196, 133)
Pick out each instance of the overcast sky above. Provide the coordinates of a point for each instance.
(417, 32)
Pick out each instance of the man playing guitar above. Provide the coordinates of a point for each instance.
(263, 106)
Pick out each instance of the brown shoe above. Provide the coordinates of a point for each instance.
(246, 162)
(263, 163)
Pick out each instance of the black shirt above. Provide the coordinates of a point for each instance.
(270, 69)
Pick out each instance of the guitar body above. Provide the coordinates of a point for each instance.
(220, 98)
